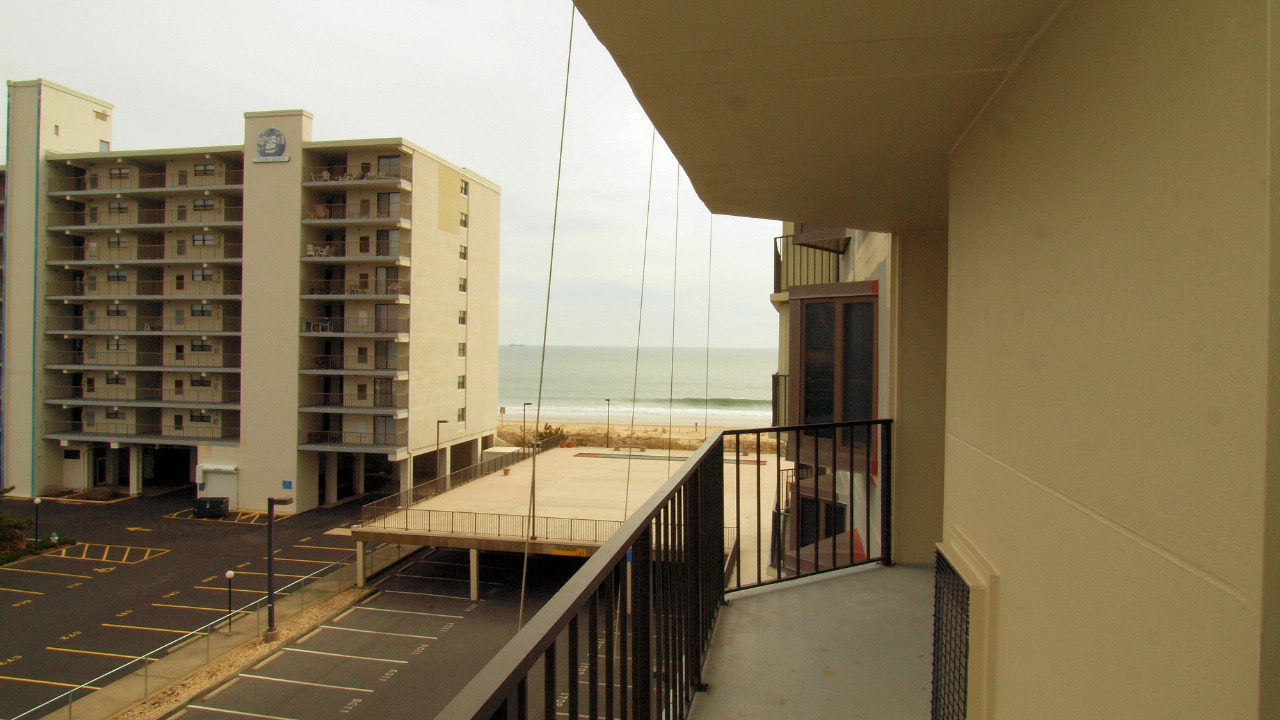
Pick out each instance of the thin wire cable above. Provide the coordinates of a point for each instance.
(635, 377)
(675, 267)
(706, 368)
(546, 315)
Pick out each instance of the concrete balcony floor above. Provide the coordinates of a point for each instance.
(847, 644)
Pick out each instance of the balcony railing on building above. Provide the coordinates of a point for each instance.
(145, 216)
(349, 212)
(193, 324)
(402, 170)
(795, 264)
(105, 252)
(373, 287)
(147, 181)
(145, 288)
(373, 250)
(355, 325)
(356, 400)
(127, 358)
(628, 634)
(370, 363)
(126, 393)
(344, 437)
(144, 430)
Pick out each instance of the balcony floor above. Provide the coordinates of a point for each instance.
(848, 644)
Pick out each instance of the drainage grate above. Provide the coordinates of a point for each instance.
(950, 642)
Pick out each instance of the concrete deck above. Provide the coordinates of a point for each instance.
(847, 644)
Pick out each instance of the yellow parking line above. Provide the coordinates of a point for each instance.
(48, 682)
(27, 592)
(104, 654)
(139, 627)
(46, 572)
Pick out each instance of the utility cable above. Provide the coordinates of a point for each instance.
(635, 377)
(675, 267)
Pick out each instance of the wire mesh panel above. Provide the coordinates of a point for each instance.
(950, 642)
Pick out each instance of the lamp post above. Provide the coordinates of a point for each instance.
(524, 415)
(272, 634)
(37, 504)
(230, 574)
(606, 421)
(438, 424)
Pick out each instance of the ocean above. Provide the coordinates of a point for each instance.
(578, 379)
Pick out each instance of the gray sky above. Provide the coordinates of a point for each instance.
(480, 83)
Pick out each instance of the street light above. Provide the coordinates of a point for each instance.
(524, 414)
(37, 502)
(438, 424)
(606, 422)
(230, 574)
(272, 633)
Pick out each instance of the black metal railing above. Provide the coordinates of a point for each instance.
(802, 265)
(626, 636)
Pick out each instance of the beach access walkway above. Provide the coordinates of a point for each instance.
(583, 495)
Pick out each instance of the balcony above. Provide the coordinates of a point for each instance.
(375, 290)
(395, 214)
(357, 365)
(631, 634)
(142, 432)
(368, 402)
(370, 175)
(93, 183)
(395, 251)
(355, 325)
(93, 252)
(126, 396)
(142, 218)
(156, 324)
(800, 262)
(338, 440)
(56, 289)
(112, 359)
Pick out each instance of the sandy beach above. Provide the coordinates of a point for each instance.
(682, 437)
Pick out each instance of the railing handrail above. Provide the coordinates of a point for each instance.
(402, 170)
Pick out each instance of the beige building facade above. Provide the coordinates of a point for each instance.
(284, 318)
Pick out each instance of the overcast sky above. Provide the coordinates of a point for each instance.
(480, 83)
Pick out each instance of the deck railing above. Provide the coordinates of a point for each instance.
(627, 635)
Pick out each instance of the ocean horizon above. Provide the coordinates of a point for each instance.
(736, 392)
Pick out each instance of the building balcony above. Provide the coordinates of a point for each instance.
(159, 289)
(142, 218)
(355, 326)
(807, 259)
(342, 441)
(126, 396)
(142, 433)
(115, 359)
(396, 214)
(103, 253)
(142, 183)
(146, 324)
(370, 175)
(382, 252)
(357, 365)
(367, 403)
(393, 290)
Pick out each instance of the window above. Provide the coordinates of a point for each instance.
(462, 414)
(57, 130)
(115, 379)
(202, 274)
(177, 422)
(90, 385)
(462, 252)
(364, 244)
(177, 387)
(462, 382)
(199, 205)
(389, 165)
(118, 173)
(462, 284)
(462, 317)
(116, 344)
(362, 355)
(201, 382)
(115, 414)
(178, 317)
(118, 241)
(89, 419)
(465, 187)
(117, 276)
(92, 214)
(103, 145)
(117, 311)
(462, 349)
(202, 239)
(117, 207)
(205, 170)
(362, 392)
(201, 346)
(201, 416)
(202, 310)
(462, 220)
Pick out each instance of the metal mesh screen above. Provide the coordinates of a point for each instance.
(950, 642)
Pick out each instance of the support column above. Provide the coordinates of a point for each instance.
(330, 478)
(359, 563)
(475, 574)
(442, 465)
(358, 469)
(404, 472)
(113, 466)
(135, 470)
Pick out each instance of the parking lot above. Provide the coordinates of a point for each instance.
(141, 576)
(403, 652)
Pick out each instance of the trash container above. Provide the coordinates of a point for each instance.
(211, 507)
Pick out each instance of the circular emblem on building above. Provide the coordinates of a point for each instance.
(271, 143)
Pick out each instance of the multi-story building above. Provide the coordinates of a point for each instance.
(282, 318)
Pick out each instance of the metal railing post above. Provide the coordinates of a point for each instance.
(886, 493)
(641, 627)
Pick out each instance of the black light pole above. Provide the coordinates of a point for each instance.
(230, 574)
(37, 503)
(524, 415)
(271, 549)
(606, 422)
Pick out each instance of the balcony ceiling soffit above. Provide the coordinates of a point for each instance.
(838, 113)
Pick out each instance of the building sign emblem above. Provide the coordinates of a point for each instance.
(271, 146)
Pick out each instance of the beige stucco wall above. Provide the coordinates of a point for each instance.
(1107, 379)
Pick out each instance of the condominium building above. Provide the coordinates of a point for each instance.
(283, 318)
